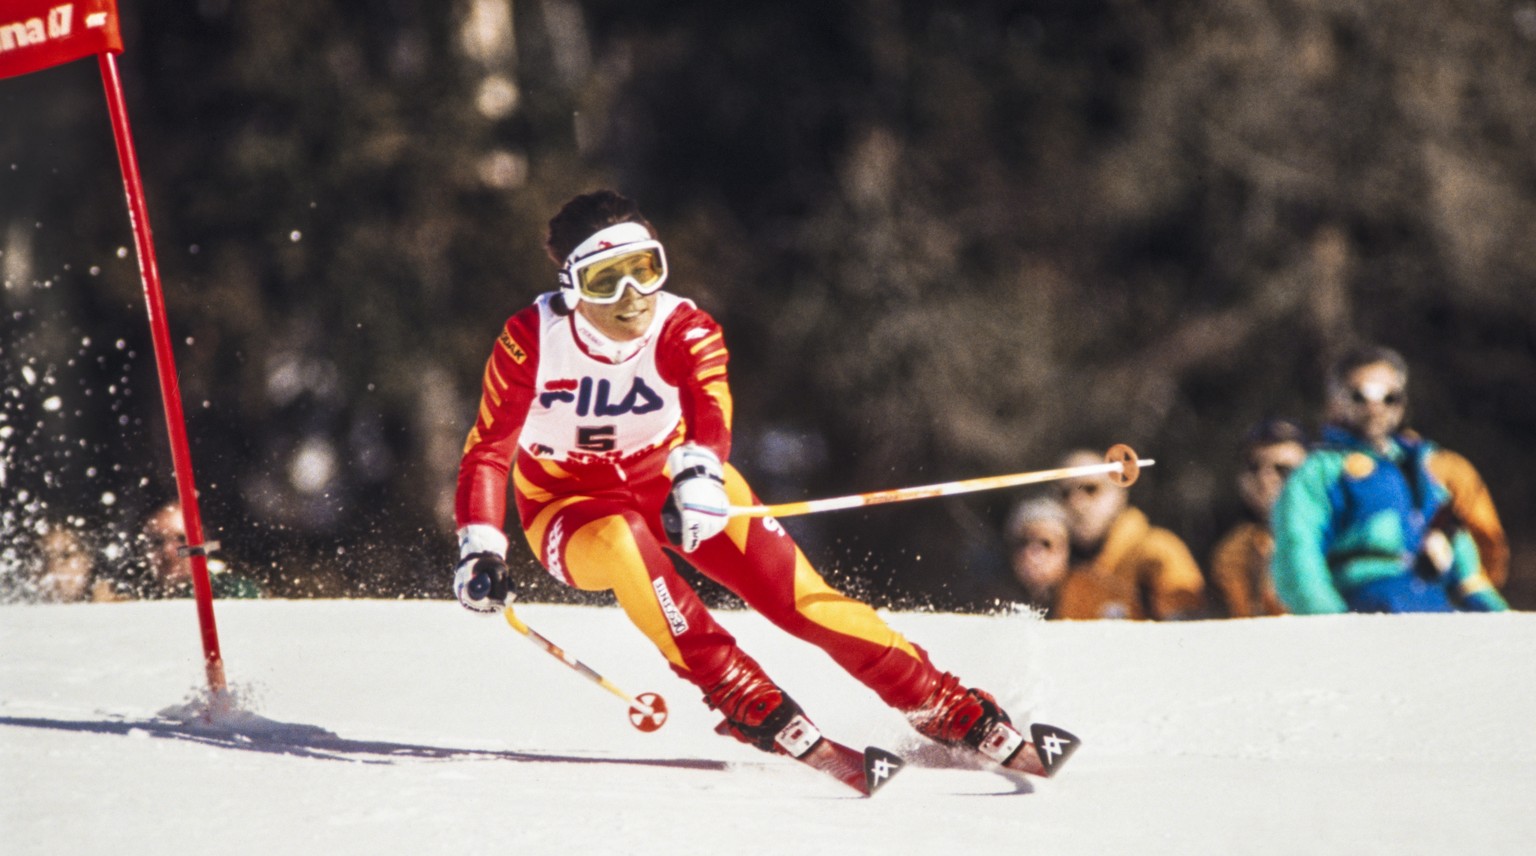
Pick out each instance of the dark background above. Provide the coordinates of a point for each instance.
(944, 243)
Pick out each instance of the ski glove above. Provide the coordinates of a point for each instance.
(480, 583)
(697, 508)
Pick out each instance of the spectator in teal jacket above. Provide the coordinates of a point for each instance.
(1358, 526)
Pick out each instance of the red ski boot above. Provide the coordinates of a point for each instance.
(759, 714)
(956, 716)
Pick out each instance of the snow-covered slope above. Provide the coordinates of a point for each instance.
(413, 727)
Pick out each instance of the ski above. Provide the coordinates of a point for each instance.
(865, 772)
(1042, 755)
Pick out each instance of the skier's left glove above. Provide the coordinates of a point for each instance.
(697, 508)
(480, 580)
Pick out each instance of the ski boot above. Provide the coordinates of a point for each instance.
(760, 714)
(956, 716)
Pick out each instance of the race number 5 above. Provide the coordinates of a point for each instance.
(596, 438)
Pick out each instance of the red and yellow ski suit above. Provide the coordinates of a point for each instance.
(584, 439)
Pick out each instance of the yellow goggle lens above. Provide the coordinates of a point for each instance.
(605, 279)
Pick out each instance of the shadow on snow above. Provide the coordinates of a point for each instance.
(257, 734)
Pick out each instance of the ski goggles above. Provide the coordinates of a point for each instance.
(634, 260)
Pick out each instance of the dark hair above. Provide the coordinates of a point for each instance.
(1365, 355)
(579, 218)
(1272, 431)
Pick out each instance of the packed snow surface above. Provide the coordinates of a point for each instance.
(413, 727)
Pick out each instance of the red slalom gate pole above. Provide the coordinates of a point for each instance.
(39, 34)
(165, 366)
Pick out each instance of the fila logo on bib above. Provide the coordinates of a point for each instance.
(596, 399)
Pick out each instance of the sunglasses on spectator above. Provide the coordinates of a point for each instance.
(1087, 488)
(1281, 470)
(1375, 393)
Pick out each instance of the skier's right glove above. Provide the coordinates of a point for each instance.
(480, 582)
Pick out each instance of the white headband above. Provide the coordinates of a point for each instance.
(611, 236)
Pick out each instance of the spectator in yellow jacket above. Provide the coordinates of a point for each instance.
(1240, 562)
(1471, 506)
(1122, 566)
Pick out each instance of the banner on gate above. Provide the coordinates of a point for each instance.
(39, 34)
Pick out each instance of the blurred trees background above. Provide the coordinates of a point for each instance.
(945, 242)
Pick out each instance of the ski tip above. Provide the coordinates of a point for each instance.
(1053, 745)
(880, 767)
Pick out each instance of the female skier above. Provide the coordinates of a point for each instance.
(607, 403)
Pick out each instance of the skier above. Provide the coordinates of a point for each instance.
(608, 404)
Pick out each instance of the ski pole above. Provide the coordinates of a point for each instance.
(647, 711)
(1120, 464)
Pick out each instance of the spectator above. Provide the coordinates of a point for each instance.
(64, 568)
(1038, 549)
(59, 568)
(1272, 450)
(170, 571)
(1355, 518)
(1121, 565)
(1471, 506)
(68, 572)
